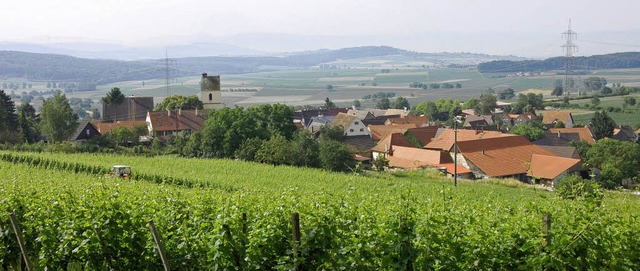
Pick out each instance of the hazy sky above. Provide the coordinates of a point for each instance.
(456, 25)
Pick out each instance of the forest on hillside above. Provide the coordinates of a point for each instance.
(609, 61)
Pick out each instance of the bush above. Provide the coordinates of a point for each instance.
(573, 187)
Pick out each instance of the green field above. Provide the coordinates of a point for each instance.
(72, 215)
(352, 79)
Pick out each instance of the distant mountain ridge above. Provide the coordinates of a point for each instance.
(609, 61)
(54, 67)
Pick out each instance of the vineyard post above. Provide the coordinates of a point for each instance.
(102, 245)
(236, 255)
(16, 230)
(546, 227)
(295, 223)
(156, 238)
(244, 223)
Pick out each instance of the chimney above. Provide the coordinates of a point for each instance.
(197, 111)
(169, 112)
(483, 152)
(180, 111)
(353, 107)
(558, 134)
(204, 75)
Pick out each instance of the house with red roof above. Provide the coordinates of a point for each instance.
(174, 122)
(549, 169)
(499, 157)
(551, 118)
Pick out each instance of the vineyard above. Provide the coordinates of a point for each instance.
(224, 214)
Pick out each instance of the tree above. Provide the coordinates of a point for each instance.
(558, 83)
(114, 97)
(595, 83)
(531, 130)
(335, 156)
(616, 159)
(332, 132)
(58, 121)
(471, 103)
(356, 104)
(121, 136)
(176, 102)
(486, 104)
(28, 123)
(506, 94)
(602, 125)
(329, 87)
(8, 119)
(275, 151)
(631, 101)
(380, 163)
(305, 150)
(271, 120)
(383, 103)
(328, 103)
(248, 149)
(400, 103)
(557, 91)
(595, 101)
(527, 103)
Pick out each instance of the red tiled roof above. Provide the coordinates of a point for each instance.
(391, 141)
(106, 127)
(582, 132)
(450, 169)
(361, 158)
(378, 132)
(501, 156)
(177, 121)
(418, 120)
(411, 158)
(445, 140)
(550, 167)
(424, 135)
(550, 117)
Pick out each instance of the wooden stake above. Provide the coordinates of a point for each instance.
(546, 227)
(236, 255)
(16, 230)
(295, 223)
(156, 238)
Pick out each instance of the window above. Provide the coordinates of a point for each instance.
(361, 129)
(356, 123)
(351, 130)
(210, 96)
(88, 133)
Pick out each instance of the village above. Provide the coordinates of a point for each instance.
(474, 147)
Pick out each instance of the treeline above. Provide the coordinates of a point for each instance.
(434, 85)
(609, 61)
(86, 72)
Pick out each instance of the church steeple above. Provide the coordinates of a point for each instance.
(210, 92)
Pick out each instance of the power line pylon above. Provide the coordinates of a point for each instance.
(169, 66)
(569, 48)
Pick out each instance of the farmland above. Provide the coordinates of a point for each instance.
(352, 80)
(72, 215)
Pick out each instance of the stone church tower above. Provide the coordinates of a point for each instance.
(210, 92)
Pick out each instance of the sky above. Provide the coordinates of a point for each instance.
(528, 28)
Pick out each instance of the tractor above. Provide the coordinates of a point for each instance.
(121, 171)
